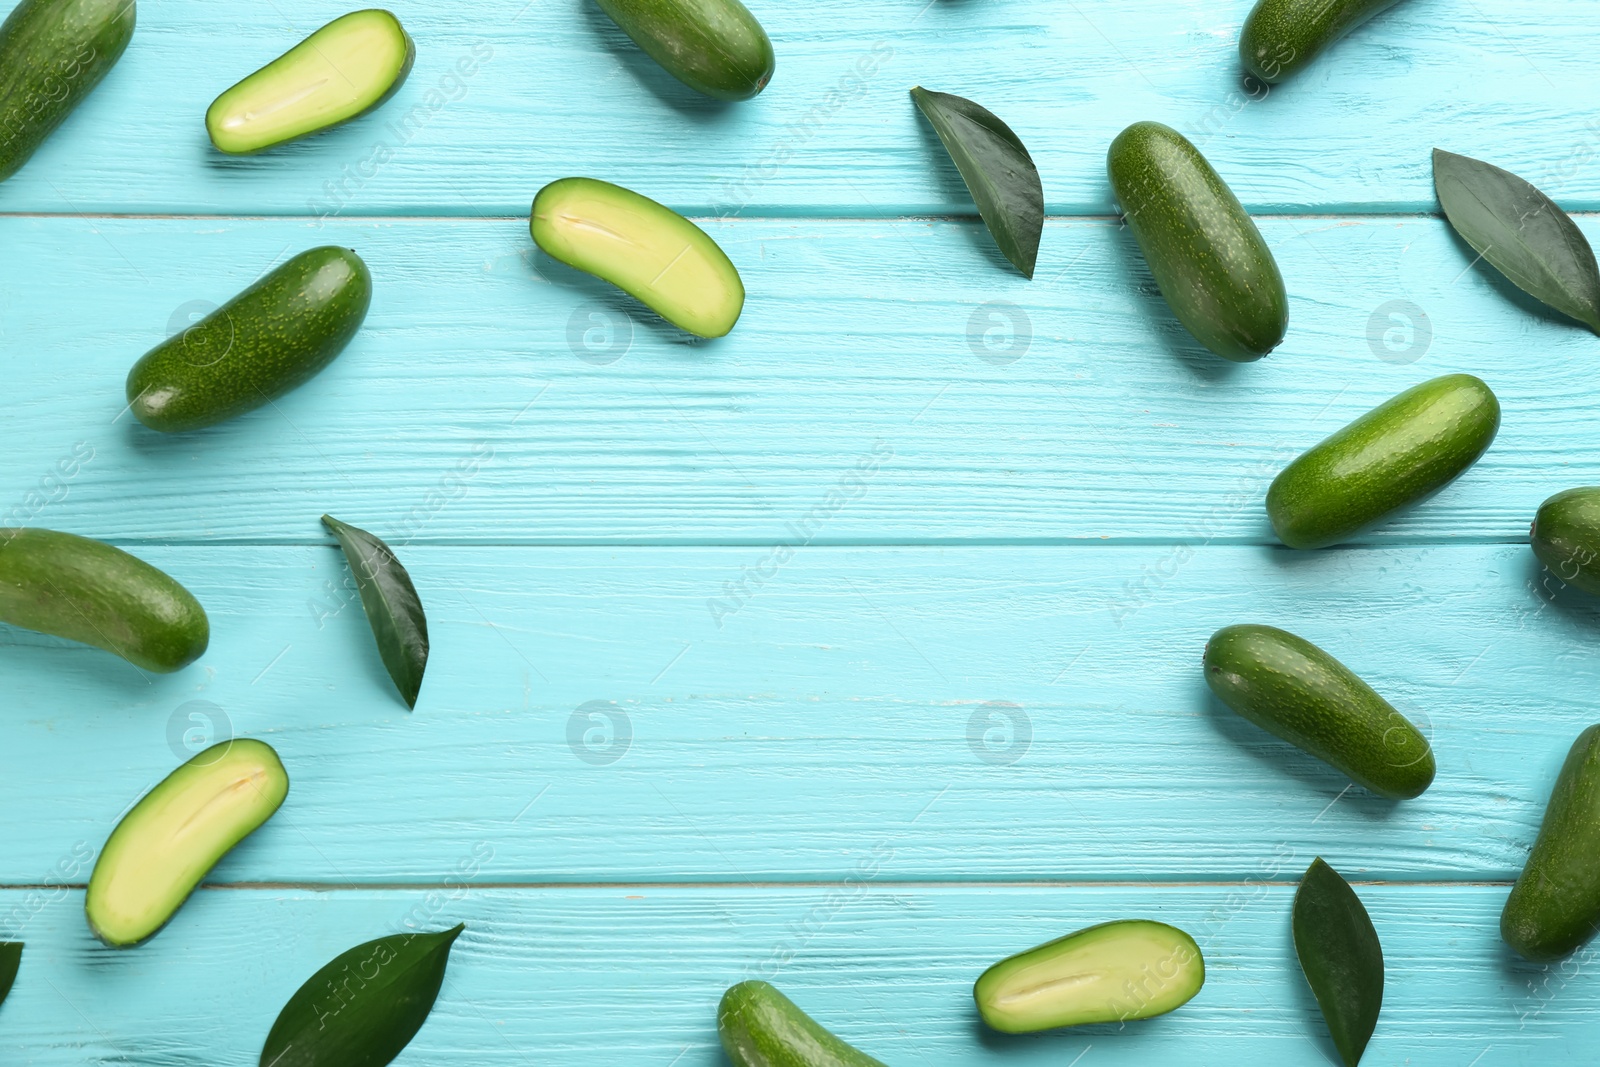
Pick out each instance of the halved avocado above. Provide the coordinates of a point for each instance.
(345, 69)
(1131, 969)
(172, 838)
(646, 250)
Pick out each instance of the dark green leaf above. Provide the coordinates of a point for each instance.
(10, 960)
(997, 169)
(1521, 232)
(1339, 951)
(392, 605)
(362, 1009)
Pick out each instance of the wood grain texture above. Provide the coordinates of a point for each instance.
(509, 94)
(871, 360)
(713, 715)
(858, 649)
(632, 975)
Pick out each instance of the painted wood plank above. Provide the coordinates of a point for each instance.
(672, 714)
(892, 364)
(633, 975)
(509, 94)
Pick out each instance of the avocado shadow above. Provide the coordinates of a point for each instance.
(238, 434)
(1172, 335)
(595, 290)
(1302, 560)
(1280, 758)
(24, 652)
(1066, 1038)
(1513, 967)
(1569, 602)
(689, 103)
(333, 145)
(154, 444)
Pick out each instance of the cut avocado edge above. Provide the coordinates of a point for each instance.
(327, 79)
(644, 248)
(1114, 972)
(145, 873)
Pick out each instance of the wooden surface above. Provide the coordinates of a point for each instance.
(855, 650)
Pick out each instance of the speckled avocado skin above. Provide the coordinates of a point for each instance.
(1281, 36)
(1401, 451)
(89, 591)
(1555, 906)
(1207, 256)
(272, 337)
(1290, 687)
(52, 55)
(713, 46)
(760, 1027)
(1566, 537)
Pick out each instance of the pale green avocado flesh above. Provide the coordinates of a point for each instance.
(348, 67)
(646, 250)
(172, 838)
(1114, 972)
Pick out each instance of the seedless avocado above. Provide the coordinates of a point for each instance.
(1555, 906)
(1401, 451)
(1566, 537)
(1207, 256)
(714, 46)
(52, 54)
(760, 1027)
(89, 591)
(274, 336)
(172, 838)
(644, 249)
(1114, 972)
(1282, 36)
(347, 68)
(1290, 687)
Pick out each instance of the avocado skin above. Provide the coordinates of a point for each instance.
(713, 46)
(88, 591)
(1402, 451)
(1213, 267)
(52, 55)
(760, 1027)
(1289, 687)
(1555, 906)
(1566, 537)
(271, 338)
(1282, 36)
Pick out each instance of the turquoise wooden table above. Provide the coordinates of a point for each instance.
(855, 650)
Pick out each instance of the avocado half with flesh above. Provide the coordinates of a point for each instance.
(344, 70)
(1114, 972)
(172, 838)
(648, 251)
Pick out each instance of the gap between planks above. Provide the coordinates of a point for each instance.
(879, 885)
(842, 543)
(799, 214)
